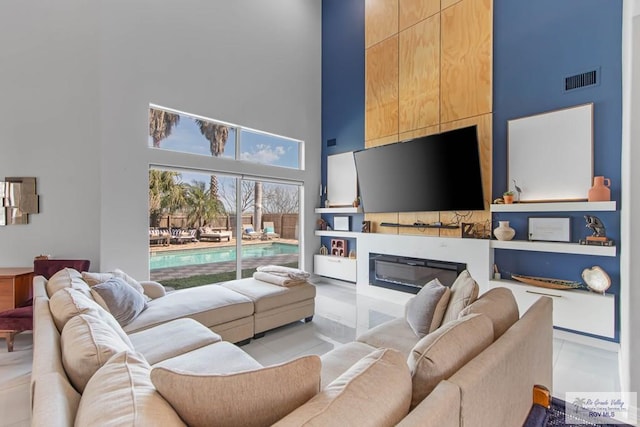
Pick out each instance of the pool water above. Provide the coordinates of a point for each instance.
(220, 254)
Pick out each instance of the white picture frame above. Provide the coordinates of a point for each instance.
(550, 155)
(342, 179)
(549, 229)
(341, 223)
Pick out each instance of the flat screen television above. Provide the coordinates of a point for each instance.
(432, 173)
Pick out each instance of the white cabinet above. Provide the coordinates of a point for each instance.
(341, 268)
(577, 310)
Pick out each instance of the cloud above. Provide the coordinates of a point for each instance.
(265, 154)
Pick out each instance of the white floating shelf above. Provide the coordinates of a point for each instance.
(345, 209)
(337, 233)
(554, 207)
(565, 248)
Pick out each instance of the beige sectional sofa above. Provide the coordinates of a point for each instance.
(477, 368)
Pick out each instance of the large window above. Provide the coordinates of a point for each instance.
(192, 134)
(200, 220)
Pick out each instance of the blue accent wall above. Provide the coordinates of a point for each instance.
(342, 85)
(536, 45)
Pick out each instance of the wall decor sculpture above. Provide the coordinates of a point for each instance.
(19, 199)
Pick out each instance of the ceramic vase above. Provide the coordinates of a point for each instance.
(503, 231)
(600, 191)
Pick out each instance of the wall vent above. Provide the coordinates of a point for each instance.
(590, 78)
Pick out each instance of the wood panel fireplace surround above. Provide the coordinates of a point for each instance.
(408, 274)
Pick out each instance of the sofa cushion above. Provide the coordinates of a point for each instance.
(119, 299)
(66, 278)
(352, 400)
(210, 305)
(267, 296)
(86, 344)
(441, 353)
(499, 305)
(178, 337)
(121, 393)
(464, 291)
(424, 311)
(338, 361)
(394, 333)
(251, 398)
(229, 359)
(68, 303)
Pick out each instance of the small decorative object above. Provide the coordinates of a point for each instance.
(341, 223)
(339, 247)
(550, 229)
(352, 254)
(508, 197)
(498, 201)
(598, 238)
(496, 272)
(322, 224)
(366, 226)
(600, 191)
(327, 204)
(518, 189)
(596, 279)
(324, 250)
(503, 231)
(468, 230)
(544, 282)
(18, 199)
(356, 202)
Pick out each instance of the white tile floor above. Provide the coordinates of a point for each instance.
(341, 315)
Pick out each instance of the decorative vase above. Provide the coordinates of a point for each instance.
(600, 191)
(503, 231)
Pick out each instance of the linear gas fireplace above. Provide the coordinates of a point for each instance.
(410, 274)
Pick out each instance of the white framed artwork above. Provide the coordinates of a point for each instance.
(550, 155)
(342, 181)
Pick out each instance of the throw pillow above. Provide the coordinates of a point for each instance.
(66, 278)
(119, 299)
(269, 230)
(442, 353)
(249, 398)
(464, 291)
(86, 344)
(69, 303)
(96, 278)
(349, 400)
(424, 312)
(120, 393)
(499, 305)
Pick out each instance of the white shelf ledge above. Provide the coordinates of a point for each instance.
(345, 209)
(565, 248)
(554, 207)
(337, 233)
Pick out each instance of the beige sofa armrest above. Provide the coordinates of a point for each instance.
(440, 408)
(153, 289)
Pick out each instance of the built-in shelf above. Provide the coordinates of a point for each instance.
(340, 210)
(393, 224)
(337, 233)
(565, 248)
(554, 207)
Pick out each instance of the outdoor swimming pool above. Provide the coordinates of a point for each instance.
(220, 254)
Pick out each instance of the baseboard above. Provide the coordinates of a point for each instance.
(586, 340)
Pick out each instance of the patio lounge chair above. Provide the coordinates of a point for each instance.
(208, 233)
(183, 236)
(159, 236)
(249, 233)
(270, 230)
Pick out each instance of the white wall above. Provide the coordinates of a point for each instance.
(76, 92)
(630, 251)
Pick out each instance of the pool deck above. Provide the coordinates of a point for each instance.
(217, 267)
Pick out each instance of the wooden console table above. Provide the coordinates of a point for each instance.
(15, 286)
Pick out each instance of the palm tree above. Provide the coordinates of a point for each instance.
(201, 207)
(217, 136)
(161, 123)
(166, 194)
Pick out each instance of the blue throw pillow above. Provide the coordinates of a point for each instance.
(248, 230)
(269, 230)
